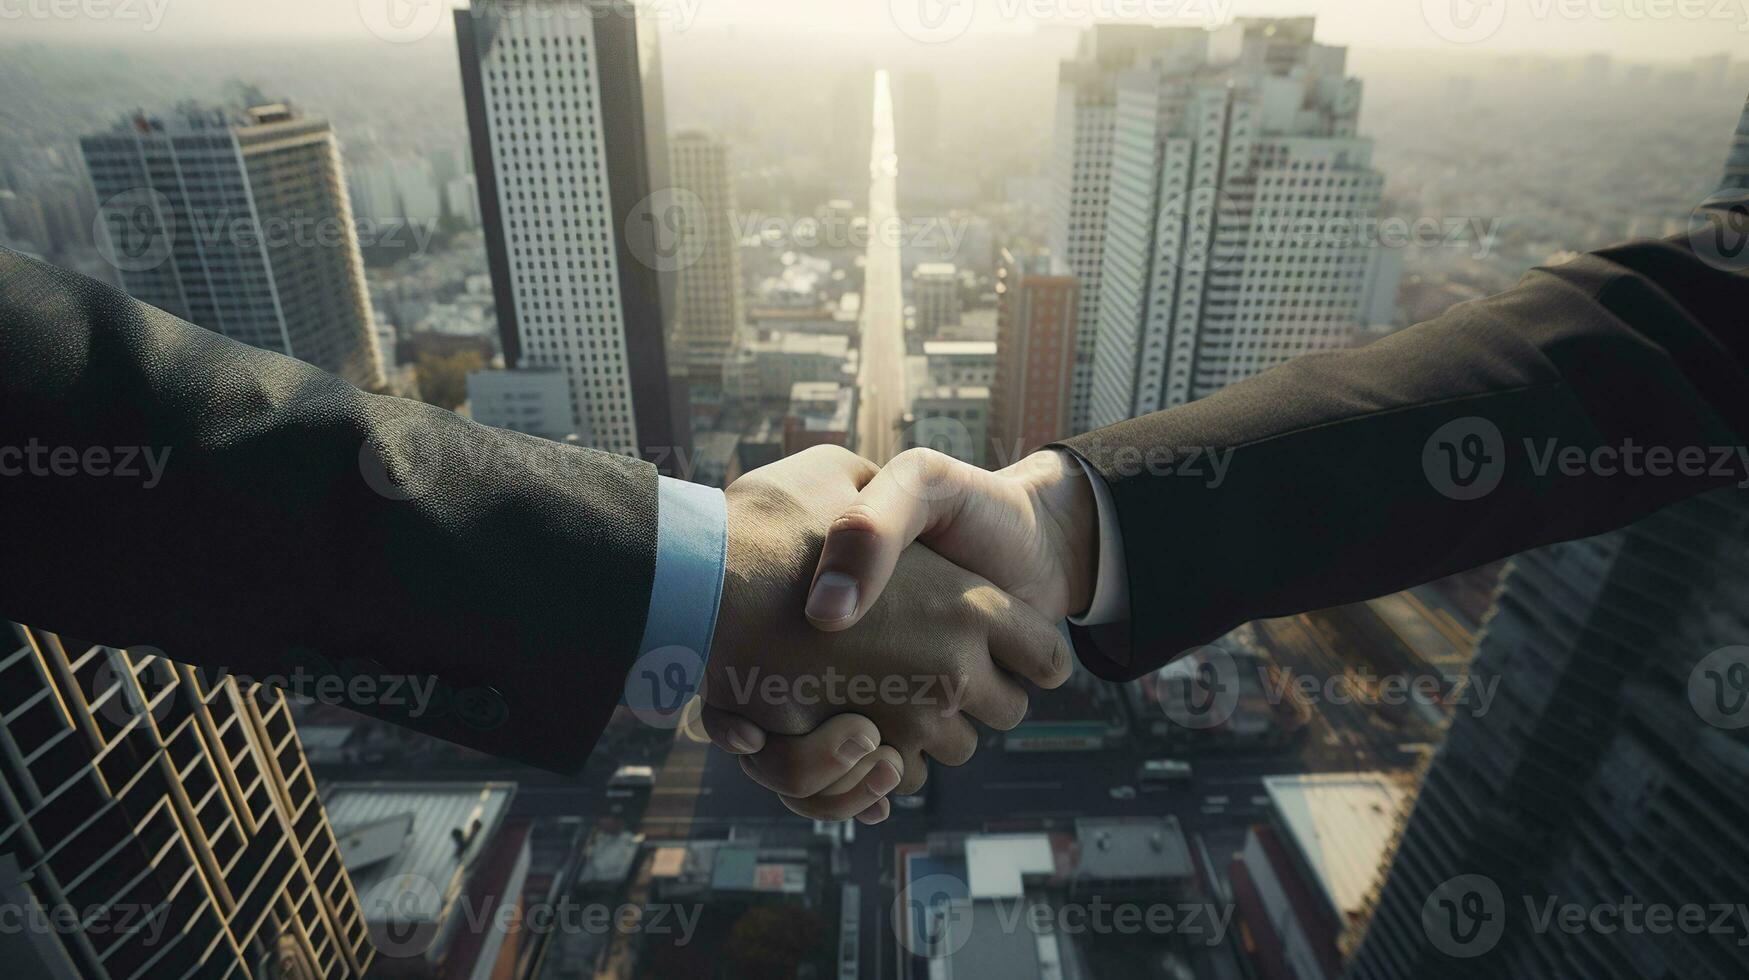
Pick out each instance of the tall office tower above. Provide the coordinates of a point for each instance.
(1609, 773)
(1240, 195)
(564, 118)
(160, 822)
(1035, 359)
(1737, 160)
(239, 222)
(1086, 121)
(935, 291)
(709, 313)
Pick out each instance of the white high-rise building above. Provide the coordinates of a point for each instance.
(564, 111)
(1086, 118)
(238, 221)
(1239, 207)
(709, 313)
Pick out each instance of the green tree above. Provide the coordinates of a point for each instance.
(443, 378)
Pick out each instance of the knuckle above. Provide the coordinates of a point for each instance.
(858, 518)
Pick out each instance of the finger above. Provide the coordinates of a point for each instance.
(866, 791)
(914, 774)
(919, 489)
(803, 765)
(875, 814)
(994, 697)
(1024, 642)
(731, 732)
(955, 743)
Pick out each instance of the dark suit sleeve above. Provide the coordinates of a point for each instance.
(300, 529)
(1357, 473)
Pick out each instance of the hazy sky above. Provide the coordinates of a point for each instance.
(1645, 30)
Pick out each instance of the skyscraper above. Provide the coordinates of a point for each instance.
(1035, 359)
(1737, 160)
(1239, 198)
(239, 222)
(565, 117)
(1609, 771)
(709, 312)
(160, 822)
(1086, 119)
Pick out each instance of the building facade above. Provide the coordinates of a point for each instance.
(709, 313)
(564, 116)
(1082, 140)
(239, 222)
(1036, 325)
(1238, 201)
(1610, 773)
(161, 821)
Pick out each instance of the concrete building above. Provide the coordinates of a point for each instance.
(961, 362)
(1305, 872)
(766, 369)
(1239, 193)
(463, 195)
(564, 111)
(953, 419)
(988, 906)
(1609, 765)
(238, 221)
(709, 314)
(532, 400)
(1737, 159)
(160, 821)
(935, 292)
(439, 870)
(1031, 391)
(821, 413)
(1083, 131)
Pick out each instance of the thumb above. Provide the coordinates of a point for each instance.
(914, 496)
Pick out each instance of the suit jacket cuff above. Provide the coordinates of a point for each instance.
(692, 539)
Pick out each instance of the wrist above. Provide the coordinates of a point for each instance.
(1065, 501)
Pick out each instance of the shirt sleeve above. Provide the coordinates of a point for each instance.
(692, 539)
(1111, 586)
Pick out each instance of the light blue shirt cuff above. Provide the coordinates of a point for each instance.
(692, 542)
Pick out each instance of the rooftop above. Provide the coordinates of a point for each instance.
(1121, 848)
(1341, 823)
(442, 828)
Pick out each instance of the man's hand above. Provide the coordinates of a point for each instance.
(1031, 529)
(946, 647)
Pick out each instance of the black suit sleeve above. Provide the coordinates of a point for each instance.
(300, 529)
(1357, 473)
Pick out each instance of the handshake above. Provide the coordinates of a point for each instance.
(843, 654)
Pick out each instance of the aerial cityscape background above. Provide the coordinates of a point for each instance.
(714, 235)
